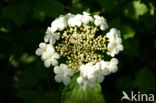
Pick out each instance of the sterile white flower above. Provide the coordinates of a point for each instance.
(105, 70)
(58, 24)
(63, 74)
(113, 34)
(86, 18)
(86, 80)
(100, 21)
(75, 20)
(69, 15)
(97, 73)
(114, 45)
(41, 49)
(110, 66)
(50, 36)
(113, 65)
(48, 54)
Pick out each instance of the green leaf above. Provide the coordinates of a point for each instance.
(152, 8)
(131, 47)
(108, 5)
(13, 61)
(116, 22)
(12, 13)
(26, 58)
(127, 32)
(50, 9)
(135, 9)
(74, 94)
(77, 4)
(145, 80)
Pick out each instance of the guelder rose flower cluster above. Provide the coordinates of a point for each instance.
(76, 43)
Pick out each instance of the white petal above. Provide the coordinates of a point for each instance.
(114, 69)
(120, 47)
(54, 28)
(66, 80)
(56, 36)
(57, 70)
(85, 13)
(103, 26)
(98, 65)
(119, 40)
(56, 55)
(39, 51)
(43, 45)
(47, 63)
(54, 62)
(108, 35)
(80, 80)
(70, 72)
(59, 78)
(92, 78)
(92, 84)
(78, 23)
(45, 55)
(50, 49)
(100, 78)
(114, 61)
(112, 54)
(97, 22)
(46, 38)
(52, 40)
(106, 71)
(63, 67)
(49, 31)
(85, 86)
(61, 26)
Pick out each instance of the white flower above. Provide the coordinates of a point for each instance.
(86, 80)
(112, 66)
(113, 34)
(105, 70)
(51, 37)
(75, 20)
(100, 21)
(114, 45)
(68, 16)
(109, 67)
(63, 74)
(97, 73)
(86, 18)
(42, 49)
(48, 54)
(58, 24)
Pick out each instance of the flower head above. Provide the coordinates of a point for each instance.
(80, 42)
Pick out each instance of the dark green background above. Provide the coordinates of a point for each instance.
(23, 77)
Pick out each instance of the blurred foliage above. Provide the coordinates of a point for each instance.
(23, 23)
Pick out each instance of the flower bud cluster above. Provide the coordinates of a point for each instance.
(80, 46)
